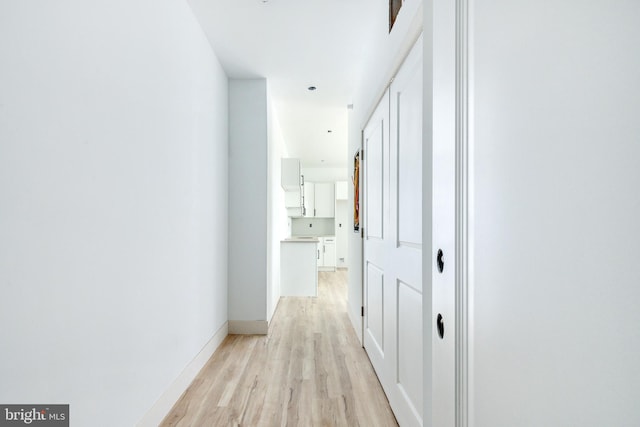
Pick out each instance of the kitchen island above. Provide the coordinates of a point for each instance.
(299, 267)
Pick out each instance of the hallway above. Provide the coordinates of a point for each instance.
(309, 370)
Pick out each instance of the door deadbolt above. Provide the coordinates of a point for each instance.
(440, 326)
(440, 261)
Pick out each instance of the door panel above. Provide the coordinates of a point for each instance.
(374, 146)
(375, 306)
(409, 332)
(409, 161)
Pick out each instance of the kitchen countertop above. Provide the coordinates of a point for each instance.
(301, 240)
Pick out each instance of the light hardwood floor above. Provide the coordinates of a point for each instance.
(309, 370)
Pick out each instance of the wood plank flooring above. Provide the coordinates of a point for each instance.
(309, 371)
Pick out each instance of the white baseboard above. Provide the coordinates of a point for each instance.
(163, 405)
(356, 321)
(248, 327)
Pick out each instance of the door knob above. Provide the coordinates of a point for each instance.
(440, 326)
(440, 261)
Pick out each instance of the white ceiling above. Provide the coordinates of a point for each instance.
(295, 44)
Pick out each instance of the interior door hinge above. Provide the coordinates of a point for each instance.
(362, 311)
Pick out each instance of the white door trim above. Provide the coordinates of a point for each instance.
(462, 230)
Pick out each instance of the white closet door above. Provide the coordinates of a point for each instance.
(393, 241)
(404, 255)
(375, 198)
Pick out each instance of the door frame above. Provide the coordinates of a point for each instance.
(458, 24)
(361, 166)
(464, 202)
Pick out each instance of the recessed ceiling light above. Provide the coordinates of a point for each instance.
(311, 88)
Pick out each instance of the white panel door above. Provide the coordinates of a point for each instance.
(404, 254)
(393, 241)
(375, 191)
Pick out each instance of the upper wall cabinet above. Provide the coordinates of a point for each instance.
(292, 199)
(342, 190)
(325, 200)
(290, 175)
(309, 199)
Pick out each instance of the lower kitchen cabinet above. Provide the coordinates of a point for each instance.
(327, 253)
(298, 268)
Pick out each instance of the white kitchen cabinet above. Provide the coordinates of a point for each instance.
(341, 227)
(319, 199)
(342, 190)
(291, 181)
(290, 174)
(292, 199)
(298, 268)
(293, 203)
(329, 258)
(309, 199)
(325, 199)
(327, 253)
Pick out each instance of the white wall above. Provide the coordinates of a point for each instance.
(277, 213)
(555, 292)
(343, 224)
(248, 225)
(256, 199)
(313, 227)
(113, 188)
(324, 174)
(385, 53)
